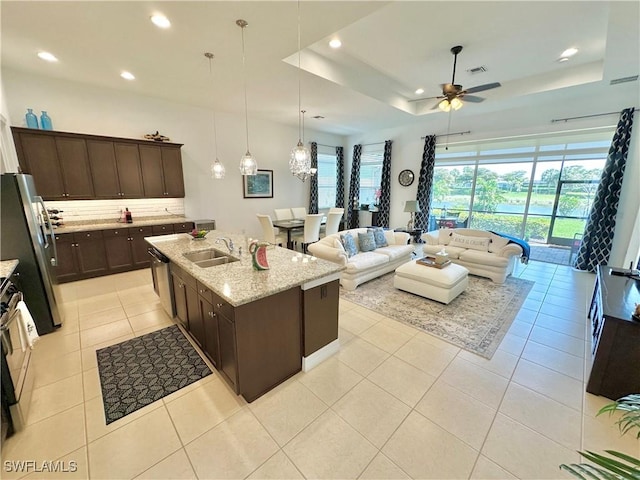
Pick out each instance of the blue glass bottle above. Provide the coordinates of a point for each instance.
(31, 118)
(45, 121)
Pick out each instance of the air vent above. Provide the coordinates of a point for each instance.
(624, 80)
(318, 117)
(476, 70)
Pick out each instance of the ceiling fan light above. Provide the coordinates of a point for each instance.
(444, 105)
(456, 104)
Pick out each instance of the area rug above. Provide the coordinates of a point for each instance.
(476, 320)
(140, 371)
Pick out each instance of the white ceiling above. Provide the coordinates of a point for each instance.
(389, 49)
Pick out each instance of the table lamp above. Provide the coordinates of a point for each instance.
(411, 206)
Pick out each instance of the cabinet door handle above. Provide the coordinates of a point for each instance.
(211, 314)
(219, 305)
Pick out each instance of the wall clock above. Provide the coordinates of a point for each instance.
(406, 178)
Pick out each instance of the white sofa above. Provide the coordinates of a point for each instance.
(482, 253)
(364, 266)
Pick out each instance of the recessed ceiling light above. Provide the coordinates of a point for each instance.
(160, 20)
(49, 57)
(419, 91)
(335, 43)
(128, 75)
(569, 52)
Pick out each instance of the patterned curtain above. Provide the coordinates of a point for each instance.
(354, 189)
(425, 182)
(339, 177)
(385, 187)
(598, 233)
(313, 182)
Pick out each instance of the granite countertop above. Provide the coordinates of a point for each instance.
(72, 227)
(237, 282)
(7, 267)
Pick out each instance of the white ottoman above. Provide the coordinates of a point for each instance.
(441, 285)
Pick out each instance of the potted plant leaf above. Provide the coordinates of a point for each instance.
(614, 465)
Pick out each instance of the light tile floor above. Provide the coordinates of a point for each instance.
(394, 403)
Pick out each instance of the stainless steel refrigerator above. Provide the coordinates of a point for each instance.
(27, 235)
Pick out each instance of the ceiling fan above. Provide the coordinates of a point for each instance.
(452, 94)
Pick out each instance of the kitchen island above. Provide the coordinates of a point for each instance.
(258, 328)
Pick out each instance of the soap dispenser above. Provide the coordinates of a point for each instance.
(127, 215)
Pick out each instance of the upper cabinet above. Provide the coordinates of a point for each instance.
(69, 166)
(161, 171)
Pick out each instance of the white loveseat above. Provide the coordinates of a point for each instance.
(482, 253)
(364, 266)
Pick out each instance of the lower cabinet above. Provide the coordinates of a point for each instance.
(254, 346)
(320, 313)
(103, 252)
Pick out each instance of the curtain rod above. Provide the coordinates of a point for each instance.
(329, 146)
(588, 116)
(369, 144)
(448, 134)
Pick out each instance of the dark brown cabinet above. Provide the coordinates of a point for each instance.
(66, 269)
(161, 171)
(90, 253)
(74, 164)
(320, 305)
(210, 323)
(102, 252)
(139, 246)
(180, 297)
(59, 165)
(117, 245)
(69, 166)
(615, 335)
(183, 227)
(129, 171)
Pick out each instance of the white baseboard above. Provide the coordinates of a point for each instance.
(319, 356)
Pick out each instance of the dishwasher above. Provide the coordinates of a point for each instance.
(162, 280)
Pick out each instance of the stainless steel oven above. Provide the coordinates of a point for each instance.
(162, 280)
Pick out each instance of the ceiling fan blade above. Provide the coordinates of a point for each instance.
(482, 88)
(471, 98)
(424, 98)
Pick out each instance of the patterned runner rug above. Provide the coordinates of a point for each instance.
(140, 371)
(476, 320)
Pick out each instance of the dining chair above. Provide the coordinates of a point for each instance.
(299, 212)
(311, 233)
(336, 209)
(283, 213)
(333, 222)
(269, 232)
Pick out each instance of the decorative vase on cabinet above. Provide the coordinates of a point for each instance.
(31, 118)
(45, 121)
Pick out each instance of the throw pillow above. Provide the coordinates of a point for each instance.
(378, 236)
(349, 244)
(474, 243)
(367, 241)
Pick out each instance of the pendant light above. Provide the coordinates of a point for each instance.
(217, 168)
(300, 161)
(248, 165)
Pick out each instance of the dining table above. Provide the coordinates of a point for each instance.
(292, 225)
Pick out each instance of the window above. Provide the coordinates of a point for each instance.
(537, 187)
(371, 160)
(327, 173)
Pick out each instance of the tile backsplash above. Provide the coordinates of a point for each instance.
(88, 210)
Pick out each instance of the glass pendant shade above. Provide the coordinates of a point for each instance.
(446, 104)
(217, 170)
(248, 165)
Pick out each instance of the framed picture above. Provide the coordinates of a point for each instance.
(259, 185)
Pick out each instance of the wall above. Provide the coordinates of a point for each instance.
(80, 108)
(531, 117)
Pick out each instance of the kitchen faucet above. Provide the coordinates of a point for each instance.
(227, 241)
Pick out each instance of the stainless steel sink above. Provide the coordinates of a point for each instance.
(209, 258)
(212, 262)
(204, 255)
